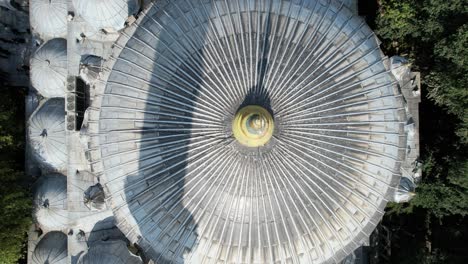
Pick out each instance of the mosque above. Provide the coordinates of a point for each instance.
(214, 131)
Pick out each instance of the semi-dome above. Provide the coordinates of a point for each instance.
(112, 252)
(49, 68)
(46, 134)
(248, 132)
(49, 17)
(110, 14)
(50, 202)
(51, 249)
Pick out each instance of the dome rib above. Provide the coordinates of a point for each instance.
(50, 202)
(106, 14)
(181, 185)
(52, 249)
(46, 135)
(49, 17)
(49, 68)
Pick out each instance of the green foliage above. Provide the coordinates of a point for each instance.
(444, 191)
(15, 201)
(441, 199)
(11, 121)
(436, 257)
(433, 34)
(448, 81)
(14, 220)
(421, 256)
(448, 89)
(396, 20)
(399, 208)
(453, 47)
(6, 139)
(418, 21)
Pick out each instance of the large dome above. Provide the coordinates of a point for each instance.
(186, 188)
(46, 134)
(106, 14)
(49, 17)
(50, 202)
(49, 68)
(51, 249)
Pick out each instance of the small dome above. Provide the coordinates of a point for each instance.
(51, 249)
(94, 197)
(90, 67)
(115, 252)
(50, 202)
(49, 68)
(46, 133)
(106, 14)
(49, 17)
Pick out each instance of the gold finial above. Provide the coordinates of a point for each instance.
(253, 126)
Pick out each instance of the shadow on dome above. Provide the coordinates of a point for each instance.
(177, 147)
(170, 139)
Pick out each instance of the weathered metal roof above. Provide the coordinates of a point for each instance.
(50, 202)
(49, 68)
(106, 14)
(112, 251)
(49, 17)
(186, 191)
(51, 249)
(46, 135)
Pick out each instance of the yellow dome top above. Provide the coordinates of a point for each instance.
(253, 126)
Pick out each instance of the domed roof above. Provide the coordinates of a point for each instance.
(115, 252)
(106, 14)
(50, 202)
(46, 134)
(94, 197)
(51, 249)
(187, 190)
(90, 67)
(49, 17)
(49, 68)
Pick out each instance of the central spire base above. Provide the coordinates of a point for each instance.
(253, 126)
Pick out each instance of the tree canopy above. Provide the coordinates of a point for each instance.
(433, 35)
(15, 202)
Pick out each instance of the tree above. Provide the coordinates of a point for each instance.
(15, 200)
(15, 217)
(433, 34)
(448, 82)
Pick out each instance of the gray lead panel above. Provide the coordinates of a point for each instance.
(49, 68)
(179, 183)
(52, 248)
(50, 203)
(46, 135)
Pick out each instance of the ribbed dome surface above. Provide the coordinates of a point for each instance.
(51, 249)
(46, 134)
(50, 202)
(180, 184)
(49, 17)
(49, 68)
(90, 67)
(109, 252)
(106, 14)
